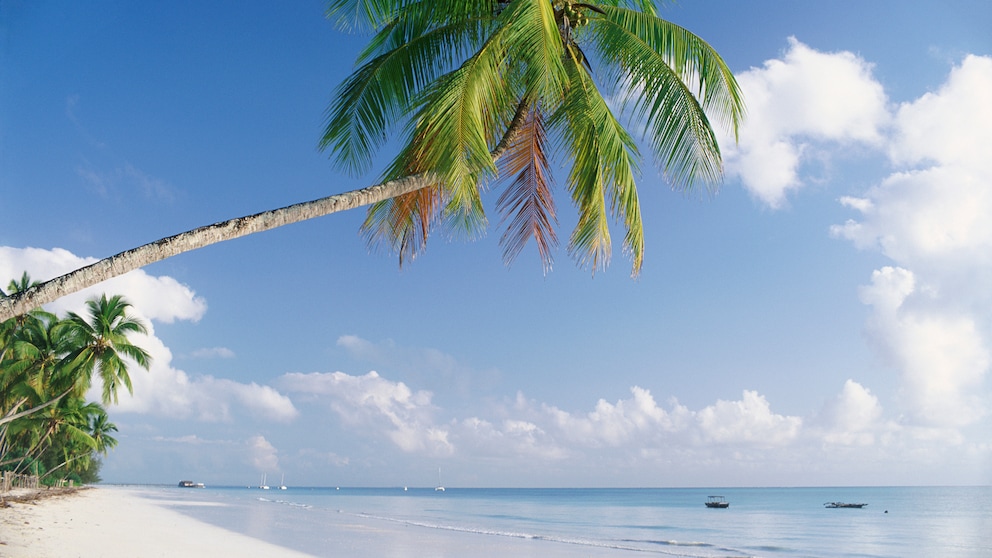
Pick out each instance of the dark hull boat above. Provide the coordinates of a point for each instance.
(717, 502)
(843, 505)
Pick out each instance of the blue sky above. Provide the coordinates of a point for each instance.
(823, 320)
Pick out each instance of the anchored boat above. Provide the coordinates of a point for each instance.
(717, 502)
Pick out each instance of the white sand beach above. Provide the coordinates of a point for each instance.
(116, 523)
(124, 522)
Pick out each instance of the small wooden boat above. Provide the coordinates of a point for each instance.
(717, 502)
(843, 505)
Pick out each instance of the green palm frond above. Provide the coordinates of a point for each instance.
(655, 61)
(454, 73)
(534, 42)
(101, 342)
(359, 14)
(602, 179)
(383, 90)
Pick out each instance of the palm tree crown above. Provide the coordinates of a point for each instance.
(491, 88)
(102, 343)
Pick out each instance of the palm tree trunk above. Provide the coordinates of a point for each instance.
(24, 301)
(11, 416)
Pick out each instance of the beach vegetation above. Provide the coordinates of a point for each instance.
(48, 427)
(497, 92)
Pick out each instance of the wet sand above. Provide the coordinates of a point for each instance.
(114, 523)
(127, 522)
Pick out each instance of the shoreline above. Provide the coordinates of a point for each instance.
(114, 522)
(134, 522)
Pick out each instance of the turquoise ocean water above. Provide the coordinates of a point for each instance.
(772, 522)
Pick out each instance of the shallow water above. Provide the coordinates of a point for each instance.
(774, 522)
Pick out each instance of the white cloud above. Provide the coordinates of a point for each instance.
(639, 424)
(929, 312)
(852, 417)
(170, 392)
(635, 432)
(163, 390)
(370, 400)
(616, 424)
(949, 126)
(519, 438)
(942, 356)
(933, 220)
(263, 455)
(795, 105)
(161, 299)
(749, 420)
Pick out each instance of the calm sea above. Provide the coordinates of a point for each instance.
(773, 522)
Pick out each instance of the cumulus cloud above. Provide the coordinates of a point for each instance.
(941, 356)
(631, 432)
(948, 126)
(498, 439)
(930, 217)
(373, 401)
(162, 299)
(170, 392)
(613, 424)
(852, 417)
(163, 390)
(749, 420)
(796, 105)
(636, 425)
(263, 455)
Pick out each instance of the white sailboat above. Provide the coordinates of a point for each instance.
(263, 486)
(439, 487)
(282, 483)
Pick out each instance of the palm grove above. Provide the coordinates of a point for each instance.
(47, 364)
(489, 92)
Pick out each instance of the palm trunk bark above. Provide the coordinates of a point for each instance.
(24, 301)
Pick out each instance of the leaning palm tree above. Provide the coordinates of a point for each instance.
(101, 344)
(527, 78)
(475, 82)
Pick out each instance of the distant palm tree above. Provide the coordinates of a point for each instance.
(22, 284)
(475, 80)
(101, 344)
(18, 287)
(100, 428)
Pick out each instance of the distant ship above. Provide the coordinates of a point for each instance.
(190, 484)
